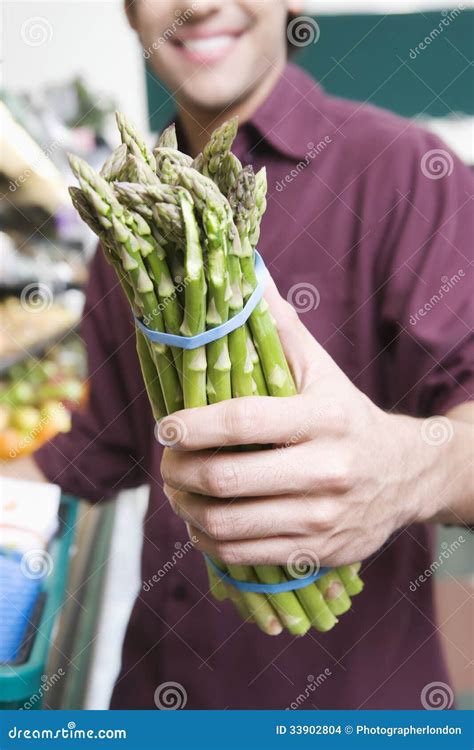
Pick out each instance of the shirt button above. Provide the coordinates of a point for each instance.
(180, 592)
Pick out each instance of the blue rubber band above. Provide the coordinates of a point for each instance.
(267, 588)
(213, 334)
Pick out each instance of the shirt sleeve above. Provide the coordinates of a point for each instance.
(425, 278)
(108, 446)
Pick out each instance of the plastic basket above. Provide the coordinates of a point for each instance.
(21, 683)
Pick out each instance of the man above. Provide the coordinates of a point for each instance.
(356, 221)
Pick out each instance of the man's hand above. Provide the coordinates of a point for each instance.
(336, 477)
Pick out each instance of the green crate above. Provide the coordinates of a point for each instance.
(21, 683)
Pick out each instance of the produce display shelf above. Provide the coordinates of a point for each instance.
(37, 349)
(15, 290)
(22, 683)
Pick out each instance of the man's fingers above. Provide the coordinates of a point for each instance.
(277, 550)
(250, 518)
(239, 421)
(256, 473)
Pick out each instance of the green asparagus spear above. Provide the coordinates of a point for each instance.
(289, 610)
(150, 377)
(139, 171)
(312, 601)
(218, 361)
(115, 165)
(349, 576)
(218, 145)
(175, 157)
(194, 360)
(168, 137)
(258, 605)
(334, 593)
(133, 140)
(112, 216)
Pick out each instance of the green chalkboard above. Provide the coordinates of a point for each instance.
(380, 59)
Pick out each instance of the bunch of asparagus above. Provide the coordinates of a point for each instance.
(181, 235)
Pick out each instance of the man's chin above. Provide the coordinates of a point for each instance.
(212, 98)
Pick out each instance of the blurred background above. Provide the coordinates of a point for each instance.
(66, 67)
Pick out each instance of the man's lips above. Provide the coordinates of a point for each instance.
(205, 47)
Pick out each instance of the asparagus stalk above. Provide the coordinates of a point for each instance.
(139, 171)
(175, 157)
(257, 372)
(112, 216)
(115, 165)
(286, 604)
(214, 219)
(349, 576)
(258, 605)
(226, 176)
(143, 197)
(267, 342)
(150, 377)
(155, 261)
(334, 593)
(133, 140)
(240, 604)
(215, 149)
(168, 137)
(217, 586)
(194, 360)
(313, 603)
(309, 597)
(218, 372)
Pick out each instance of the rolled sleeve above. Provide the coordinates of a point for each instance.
(108, 446)
(427, 281)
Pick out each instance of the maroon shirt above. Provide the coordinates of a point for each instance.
(379, 237)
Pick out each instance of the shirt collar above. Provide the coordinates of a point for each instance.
(286, 119)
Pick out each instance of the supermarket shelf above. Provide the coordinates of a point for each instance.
(15, 290)
(38, 349)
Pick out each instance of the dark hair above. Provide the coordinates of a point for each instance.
(291, 49)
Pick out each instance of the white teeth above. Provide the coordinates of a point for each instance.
(209, 44)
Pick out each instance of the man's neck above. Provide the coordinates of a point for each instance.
(198, 123)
